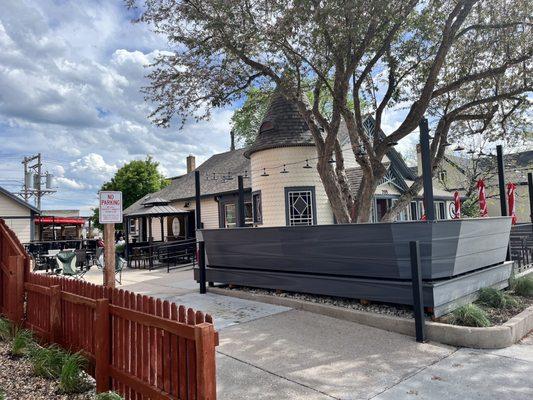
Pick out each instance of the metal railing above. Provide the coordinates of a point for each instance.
(521, 246)
(162, 254)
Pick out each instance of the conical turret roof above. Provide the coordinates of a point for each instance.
(282, 126)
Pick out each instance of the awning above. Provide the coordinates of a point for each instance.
(60, 220)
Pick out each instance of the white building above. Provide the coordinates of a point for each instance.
(18, 214)
(282, 185)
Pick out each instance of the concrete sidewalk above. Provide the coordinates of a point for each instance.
(273, 352)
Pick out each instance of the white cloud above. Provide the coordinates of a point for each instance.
(69, 183)
(70, 79)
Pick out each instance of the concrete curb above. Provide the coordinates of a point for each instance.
(495, 337)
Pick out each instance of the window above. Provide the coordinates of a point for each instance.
(300, 206)
(414, 211)
(440, 210)
(230, 216)
(402, 215)
(248, 213)
(257, 209)
(133, 226)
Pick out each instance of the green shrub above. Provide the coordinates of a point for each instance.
(6, 330)
(108, 396)
(523, 286)
(22, 343)
(2, 394)
(495, 298)
(470, 315)
(48, 361)
(72, 378)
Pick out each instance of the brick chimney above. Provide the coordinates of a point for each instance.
(191, 163)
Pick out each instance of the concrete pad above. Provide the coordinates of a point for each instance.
(469, 375)
(238, 380)
(523, 350)
(226, 310)
(343, 359)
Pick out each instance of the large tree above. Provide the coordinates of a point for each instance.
(135, 180)
(385, 53)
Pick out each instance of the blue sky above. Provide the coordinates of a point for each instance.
(70, 74)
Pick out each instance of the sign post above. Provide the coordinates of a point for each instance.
(110, 213)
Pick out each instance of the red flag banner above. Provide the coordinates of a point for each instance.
(457, 204)
(482, 198)
(511, 197)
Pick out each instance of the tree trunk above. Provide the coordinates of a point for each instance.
(366, 191)
(333, 191)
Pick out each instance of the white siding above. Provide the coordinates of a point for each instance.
(21, 227)
(209, 210)
(273, 187)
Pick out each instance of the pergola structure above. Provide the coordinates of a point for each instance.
(154, 208)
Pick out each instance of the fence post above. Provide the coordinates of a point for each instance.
(102, 348)
(55, 313)
(418, 295)
(16, 269)
(205, 361)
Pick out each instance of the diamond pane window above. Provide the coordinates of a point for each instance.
(300, 207)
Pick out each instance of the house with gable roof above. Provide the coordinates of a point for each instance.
(281, 184)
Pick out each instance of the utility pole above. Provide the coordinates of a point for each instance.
(33, 175)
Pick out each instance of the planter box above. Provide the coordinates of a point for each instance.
(448, 248)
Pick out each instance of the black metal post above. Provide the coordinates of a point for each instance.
(427, 170)
(197, 205)
(201, 266)
(126, 223)
(501, 180)
(240, 215)
(418, 295)
(530, 189)
(150, 244)
(200, 241)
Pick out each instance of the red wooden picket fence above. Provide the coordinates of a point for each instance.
(138, 346)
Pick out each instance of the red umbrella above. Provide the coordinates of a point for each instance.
(457, 204)
(511, 188)
(482, 199)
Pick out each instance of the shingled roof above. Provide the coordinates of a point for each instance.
(282, 126)
(183, 187)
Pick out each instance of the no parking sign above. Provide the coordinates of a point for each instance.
(110, 207)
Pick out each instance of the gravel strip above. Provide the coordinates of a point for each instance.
(378, 308)
(496, 316)
(17, 381)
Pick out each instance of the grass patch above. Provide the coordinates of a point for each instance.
(72, 378)
(470, 315)
(6, 330)
(21, 343)
(47, 362)
(108, 396)
(523, 286)
(495, 298)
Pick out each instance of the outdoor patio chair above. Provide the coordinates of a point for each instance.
(66, 265)
(119, 266)
(81, 259)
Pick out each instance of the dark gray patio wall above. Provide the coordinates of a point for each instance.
(448, 248)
